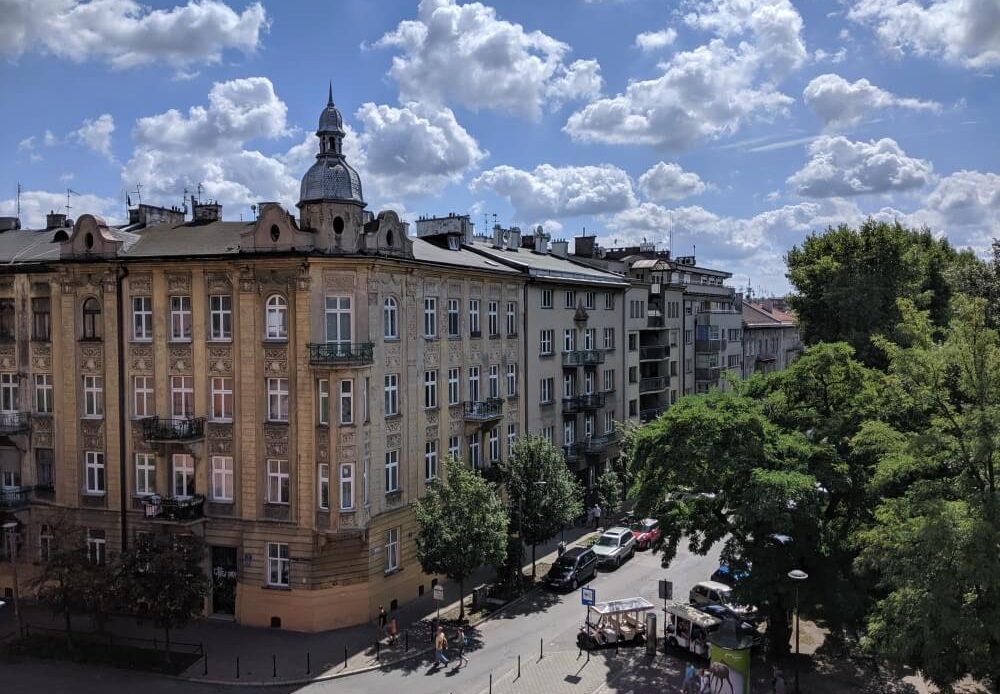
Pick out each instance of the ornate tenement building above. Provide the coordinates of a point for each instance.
(283, 388)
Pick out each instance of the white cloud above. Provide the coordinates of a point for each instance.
(464, 54)
(821, 56)
(840, 167)
(96, 134)
(664, 182)
(839, 102)
(50, 139)
(707, 92)
(126, 34)
(27, 146)
(962, 32)
(965, 206)
(35, 204)
(549, 192)
(655, 40)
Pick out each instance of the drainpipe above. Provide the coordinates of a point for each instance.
(120, 275)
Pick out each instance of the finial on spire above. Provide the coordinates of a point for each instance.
(329, 101)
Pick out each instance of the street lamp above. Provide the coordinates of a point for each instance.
(9, 528)
(798, 576)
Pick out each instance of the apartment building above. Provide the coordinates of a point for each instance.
(285, 388)
(771, 339)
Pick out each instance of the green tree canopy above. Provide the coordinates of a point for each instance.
(609, 493)
(463, 525)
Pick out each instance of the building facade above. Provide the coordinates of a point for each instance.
(771, 339)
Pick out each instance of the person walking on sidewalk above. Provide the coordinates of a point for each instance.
(393, 630)
(383, 623)
(440, 643)
(689, 683)
(463, 641)
(597, 515)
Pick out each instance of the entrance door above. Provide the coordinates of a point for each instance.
(224, 580)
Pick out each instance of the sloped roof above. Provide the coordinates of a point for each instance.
(427, 252)
(758, 316)
(214, 238)
(29, 245)
(546, 265)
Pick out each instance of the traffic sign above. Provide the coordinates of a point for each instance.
(439, 593)
(666, 589)
(588, 596)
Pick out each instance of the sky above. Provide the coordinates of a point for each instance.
(733, 127)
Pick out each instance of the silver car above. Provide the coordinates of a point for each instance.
(614, 547)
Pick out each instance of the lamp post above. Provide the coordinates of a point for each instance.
(9, 528)
(798, 576)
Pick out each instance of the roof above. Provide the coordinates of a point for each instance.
(714, 585)
(617, 530)
(29, 245)
(697, 617)
(547, 266)
(214, 238)
(428, 252)
(625, 605)
(757, 315)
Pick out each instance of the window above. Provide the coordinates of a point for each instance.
(453, 389)
(569, 299)
(430, 389)
(588, 381)
(45, 467)
(8, 392)
(143, 404)
(366, 475)
(569, 431)
(7, 320)
(180, 318)
(609, 421)
(142, 317)
(222, 398)
(569, 339)
(391, 471)
(96, 547)
(734, 361)
(430, 317)
(569, 385)
(474, 383)
(431, 460)
(391, 395)
(346, 486)
(222, 478)
(636, 309)
(511, 438)
(43, 393)
(277, 399)
(545, 342)
(276, 318)
(324, 486)
(688, 337)
(41, 320)
(633, 374)
(10, 479)
(633, 342)
(474, 458)
(589, 338)
(182, 396)
(547, 433)
(633, 408)
(91, 319)
(391, 549)
(145, 474)
(546, 390)
(511, 380)
(494, 381)
(609, 380)
(183, 475)
(220, 308)
(588, 426)
(511, 319)
(495, 444)
(364, 398)
(346, 401)
(93, 396)
(589, 300)
(546, 298)
(45, 537)
(474, 330)
(454, 447)
(609, 302)
(94, 463)
(338, 320)
(278, 564)
(278, 482)
(453, 325)
(493, 318)
(609, 338)
(390, 319)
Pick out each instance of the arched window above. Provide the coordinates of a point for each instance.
(390, 319)
(276, 318)
(91, 319)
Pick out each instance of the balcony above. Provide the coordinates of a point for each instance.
(170, 508)
(654, 322)
(709, 346)
(707, 373)
(583, 357)
(14, 422)
(596, 445)
(653, 385)
(163, 430)
(341, 353)
(573, 453)
(581, 403)
(648, 415)
(482, 411)
(15, 497)
(653, 353)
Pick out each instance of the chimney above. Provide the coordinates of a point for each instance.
(205, 211)
(560, 249)
(514, 238)
(55, 220)
(541, 243)
(498, 236)
(584, 246)
(9, 224)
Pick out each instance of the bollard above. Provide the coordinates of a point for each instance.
(406, 639)
(345, 657)
(491, 683)
(308, 664)
(378, 649)
(237, 667)
(541, 648)
(205, 656)
(274, 666)
(518, 666)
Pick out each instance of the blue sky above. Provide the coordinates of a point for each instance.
(737, 125)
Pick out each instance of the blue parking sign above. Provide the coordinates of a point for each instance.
(588, 596)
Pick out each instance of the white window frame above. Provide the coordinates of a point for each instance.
(276, 317)
(43, 394)
(454, 318)
(569, 299)
(430, 460)
(609, 301)
(391, 550)
(391, 395)
(145, 474)
(511, 380)
(545, 390)
(430, 390)
(182, 387)
(494, 381)
(546, 300)
(8, 392)
(337, 307)
(220, 310)
(475, 451)
(609, 421)
(390, 318)
(96, 549)
(474, 384)
(142, 318)
(279, 564)
(323, 401)
(475, 329)
(222, 398)
(182, 471)
(493, 318)
(569, 431)
(430, 317)
(180, 318)
(589, 339)
(279, 482)
(222, 478)
(346, 476)
(589, 300)
(345, 401)
(569, 339)
(545, 339)
(609, 380)
(392, 470)
(609, 338)
(511, 438)
(454, 385)
(143, 402)
(323, 489)
(277, 399)
(93, 397)
(494, 439)
(511, 318)
(455, 447)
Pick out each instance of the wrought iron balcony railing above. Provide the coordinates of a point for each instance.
(341, 353)
(166, 429)
(482, 410)
(580, 403)
(583, 357)
(172, 508)
(14, 422)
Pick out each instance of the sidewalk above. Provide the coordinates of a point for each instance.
(275, 656)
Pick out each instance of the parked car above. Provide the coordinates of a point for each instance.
(725, 574)
(646, 532)
(714, 593)
(614, 547)
(575, 566)
(724, 612)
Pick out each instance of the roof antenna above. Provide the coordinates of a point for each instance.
(18, 200)
(69, 191)
(138, 192)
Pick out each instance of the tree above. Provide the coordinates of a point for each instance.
(609, 492)
(66, 574)
(463, 525)
(978, 279)
(543, 494)
(164, 581)
(847, 282)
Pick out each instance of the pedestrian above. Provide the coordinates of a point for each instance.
(393, 630)
(440, 643)
(705, 682)
(590, 515)
(597, 515)
(561, 548)
(382, 620)
(463, 641)
(777, 681)
(690, 675)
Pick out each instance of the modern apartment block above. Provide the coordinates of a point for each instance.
(771, 339)
(284, 388)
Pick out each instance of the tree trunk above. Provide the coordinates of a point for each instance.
(461, 599)
(778, 631)
(532, 563)
(68, 616)
(166, 635)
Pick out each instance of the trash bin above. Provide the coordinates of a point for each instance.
(651, 633)
(479, 595)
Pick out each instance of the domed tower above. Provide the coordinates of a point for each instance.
(330, 200)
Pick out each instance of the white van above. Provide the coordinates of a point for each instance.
(715, 593)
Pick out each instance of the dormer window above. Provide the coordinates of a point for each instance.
(91, 319)
(453, 244)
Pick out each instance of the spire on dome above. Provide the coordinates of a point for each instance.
(329, 100)
(331, 177)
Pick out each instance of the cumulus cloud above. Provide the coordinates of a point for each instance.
(707, 92)
(961, 32)
(464, 54)
(125, 33)
(96, 134)
(550, 192)
(27, 146)
(839, 102)
(655, 40)
(664, 182)
(841, 167)
(965, 206)
(35, 204)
